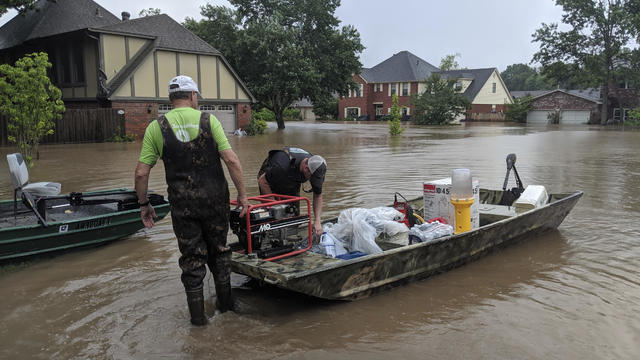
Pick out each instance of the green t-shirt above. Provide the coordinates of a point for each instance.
(185, 123)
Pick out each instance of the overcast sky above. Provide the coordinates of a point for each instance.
(486, 33)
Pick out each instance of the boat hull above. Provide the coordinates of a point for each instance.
(22, 241)
(351, 279)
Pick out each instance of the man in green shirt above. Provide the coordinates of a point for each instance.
(191, 144)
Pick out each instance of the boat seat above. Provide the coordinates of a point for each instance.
(20, 178)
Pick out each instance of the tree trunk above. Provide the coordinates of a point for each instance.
(279, 119)
(605, 102)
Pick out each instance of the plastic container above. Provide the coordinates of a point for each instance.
(461, 185)
(351, 255)
(327, 243)
(533, 197)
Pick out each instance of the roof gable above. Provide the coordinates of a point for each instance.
(53, 18)
(478, 78)
(403, 66)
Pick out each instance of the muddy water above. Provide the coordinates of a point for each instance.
(568, 294)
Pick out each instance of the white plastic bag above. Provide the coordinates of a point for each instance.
(429, 231)
(358, 228)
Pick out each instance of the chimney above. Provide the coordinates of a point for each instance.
(125, 16)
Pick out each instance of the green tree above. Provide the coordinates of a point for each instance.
(149, 12)
(284, 50)
(517, 111)
(30, 101)
(597, 44)
(440, 103)
(257, 125)
(449, 62)
(22, 6)
(524, 77)
(326, 108)
(634, 118)
(395, 128)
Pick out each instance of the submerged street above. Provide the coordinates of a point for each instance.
(573, 293)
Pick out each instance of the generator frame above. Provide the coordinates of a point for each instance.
(266, 201)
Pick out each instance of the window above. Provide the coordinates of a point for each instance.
(493, 88)
(352, 112)
(359, 91)
(493, 108)
(625, 114)
(378, 87)
(405, 111)
(165, 107)
(394, 89)
(225, 107)
(458, 86)
(67, 64)
(207, 107)
(616, 114)
(379, 110)
(405, 89)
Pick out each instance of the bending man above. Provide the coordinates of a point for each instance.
(284, 171)
(191, 144)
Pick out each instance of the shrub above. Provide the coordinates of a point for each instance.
(256, 126)
(121, 138)
(394, 124)
(518, 110)
(292, 114)
(264, 114)
(554, 117)
(634, 118)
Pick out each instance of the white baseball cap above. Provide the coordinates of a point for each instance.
(183, 83)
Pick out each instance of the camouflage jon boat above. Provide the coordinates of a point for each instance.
(335, 279)
(63, 222)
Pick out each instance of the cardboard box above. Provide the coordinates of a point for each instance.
(437, 202)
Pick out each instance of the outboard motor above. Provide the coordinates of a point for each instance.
(509, 196)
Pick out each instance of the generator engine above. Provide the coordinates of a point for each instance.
(274, 229)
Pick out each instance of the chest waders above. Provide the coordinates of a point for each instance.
(199, 198)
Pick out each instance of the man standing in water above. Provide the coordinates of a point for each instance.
(191, 144)
(284, 171)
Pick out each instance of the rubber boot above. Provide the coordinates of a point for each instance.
(195, 300)
(220, 266)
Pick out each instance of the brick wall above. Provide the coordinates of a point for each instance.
(563, 101)
(367, 102)
(137, 115)
(484, 112)
(243, 117)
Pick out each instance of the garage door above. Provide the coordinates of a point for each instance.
(225, 114)
(538, 117)
(575, 117)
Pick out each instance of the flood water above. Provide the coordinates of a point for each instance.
(573, 293)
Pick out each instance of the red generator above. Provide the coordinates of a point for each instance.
(271, 228)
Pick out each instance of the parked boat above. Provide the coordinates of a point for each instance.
(325, 277)
(38, 220)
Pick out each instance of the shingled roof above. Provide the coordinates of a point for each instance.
(478, 76)
(403, 66)
(168, 33)
(53, 18)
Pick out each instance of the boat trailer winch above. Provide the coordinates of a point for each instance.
(270, 228)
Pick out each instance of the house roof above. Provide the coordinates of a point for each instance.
(590, 94)
(478, 76)
(403, 66)
(168, 33)
(52, 18)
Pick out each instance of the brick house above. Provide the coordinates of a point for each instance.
(404, 74)
(574, 106)
(102, 61)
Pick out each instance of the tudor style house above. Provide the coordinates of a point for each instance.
(102, 61)
(404, 74)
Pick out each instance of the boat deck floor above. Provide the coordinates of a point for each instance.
(26, 217)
